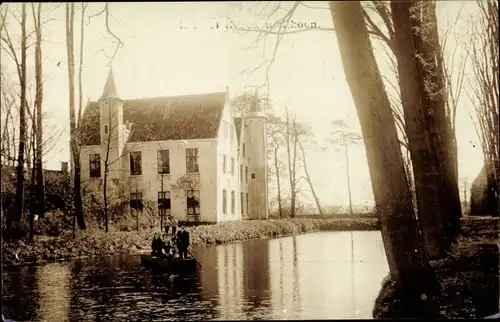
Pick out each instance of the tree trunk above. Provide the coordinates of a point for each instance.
(407, 260)
(17, 213)
(308, 178)
(33, 199)
(348, 179)
(446, 142)
(291, 166)
(105, 195)
(421, 133)
(278, 182)
(38, 151)
(74, 143)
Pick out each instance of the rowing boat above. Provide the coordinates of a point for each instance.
(172, 265)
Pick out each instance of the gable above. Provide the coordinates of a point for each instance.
(162, 118)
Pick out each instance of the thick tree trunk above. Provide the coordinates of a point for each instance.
(421, 132)
(407, 260)
(17, 214)
(446, 147)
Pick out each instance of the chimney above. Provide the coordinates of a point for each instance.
(64, 167)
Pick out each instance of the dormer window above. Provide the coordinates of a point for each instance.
(106, 129)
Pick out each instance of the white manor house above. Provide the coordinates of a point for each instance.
(188, 154)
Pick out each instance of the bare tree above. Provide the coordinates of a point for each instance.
(38, 129)
(342, 137)
(275, 132)
(307, 133)
(9, 108)
(75, 116)
(186, 185)
(17, 212)
(420, 127)
(407, 261)
(111, 144)
(74, 139)
(442, 93)
(483, 95)
(291, 146)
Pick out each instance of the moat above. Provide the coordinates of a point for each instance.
(326, 275)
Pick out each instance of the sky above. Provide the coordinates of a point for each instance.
(182, 48)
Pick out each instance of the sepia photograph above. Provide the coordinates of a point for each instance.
(260, 160)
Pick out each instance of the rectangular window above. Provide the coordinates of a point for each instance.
(247, 203)
(163, 161)
(192, 160)
(164, 204)
(224, 201)
(241, 173)
(193, 204)
(95, 165)
(136, 163)
(246, 174)
(136, 201)
(233, 202)
(106, 129)
(242, 197)
(253, 175)
(244, 150)
(232, 166)
(224, 163)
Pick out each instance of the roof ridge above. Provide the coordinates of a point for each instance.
(174, 96)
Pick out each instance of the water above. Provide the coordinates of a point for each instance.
(328, 275)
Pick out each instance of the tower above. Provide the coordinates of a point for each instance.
(255, 122)
(111, 125)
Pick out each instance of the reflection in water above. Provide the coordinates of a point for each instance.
(53, 286)
(314, 280)
(230, 276)
(321, 276)
(18, 292)
(281, 261)
(256, 279)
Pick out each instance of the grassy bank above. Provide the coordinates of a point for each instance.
(469, 277)
(98, 243)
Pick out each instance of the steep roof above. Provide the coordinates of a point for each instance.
(255, 106)
(109, 87)
(162, 118)
(237, 125)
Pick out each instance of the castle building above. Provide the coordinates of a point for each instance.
(189, 155)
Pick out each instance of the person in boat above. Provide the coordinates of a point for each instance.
(182, 242)
(157, 246)
(168, 249)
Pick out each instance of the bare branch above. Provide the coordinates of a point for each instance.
(118, 41)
